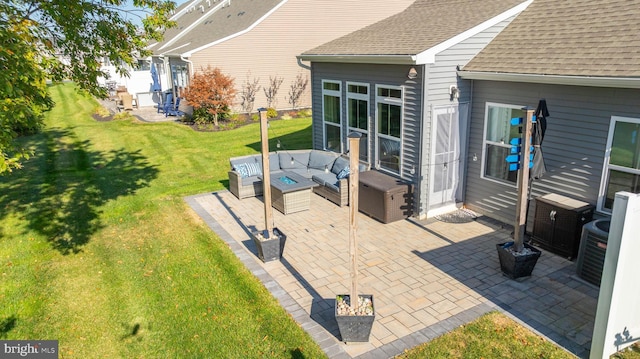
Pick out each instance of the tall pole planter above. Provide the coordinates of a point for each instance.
(517, 259)
(270, 242)
(354, 313)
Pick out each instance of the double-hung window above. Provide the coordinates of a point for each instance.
(358, 114)
(621, 170)
(389, 124)
(331, 115)
(498, 132)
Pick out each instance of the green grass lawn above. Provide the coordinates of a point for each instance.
(99, 251)
(491, 336)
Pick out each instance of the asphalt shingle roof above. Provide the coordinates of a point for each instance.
(421, 26)
(599, 38)
(231, 19)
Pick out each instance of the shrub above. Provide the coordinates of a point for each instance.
(101, 111)
(201, 115)
(271, 91)
(297, 89)
(305, 113)
(272, 113)
(211, 94)
(286, 116)
(122, 116)
(248, 93)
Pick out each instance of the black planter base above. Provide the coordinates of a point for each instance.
(355, 328)
(272, 248)
(517, 266)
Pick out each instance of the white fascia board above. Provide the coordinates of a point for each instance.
(184, 10)
(195, 23)
(175, 51)
(589, 81)
(429, 56)
(362, 59)
(251, 27)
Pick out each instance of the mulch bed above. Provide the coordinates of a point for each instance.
(100, 118)
(241, 120)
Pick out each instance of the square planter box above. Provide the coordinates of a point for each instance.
(355, 328)
(272, 248)
(516, 266)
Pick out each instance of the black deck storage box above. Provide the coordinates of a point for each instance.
(383, 197)
(558, 223)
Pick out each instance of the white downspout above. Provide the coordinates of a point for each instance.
(189, 68)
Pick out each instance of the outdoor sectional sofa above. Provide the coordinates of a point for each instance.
(329, 169)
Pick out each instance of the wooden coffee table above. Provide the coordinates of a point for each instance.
(290, 192)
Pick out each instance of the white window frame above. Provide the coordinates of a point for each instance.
(364, 97)
(484, 144)
(337, 94)
(607, 166)
(391, 101)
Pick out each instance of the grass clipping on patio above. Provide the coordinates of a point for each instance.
(493, 335)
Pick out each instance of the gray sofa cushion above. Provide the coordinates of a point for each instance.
(332, 186)
(325, 178)
(304, 172)
(274, 161)
(247, 166)
(339, 164)
(320, 159)
(247, 181)
(300, 160)
(244, 159)
(313, 171)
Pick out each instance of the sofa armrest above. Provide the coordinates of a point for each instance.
(243, 190)
(343, 185)
(234, 179)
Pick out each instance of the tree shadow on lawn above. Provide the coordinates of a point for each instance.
(59, 191)
(6, 325)
(298, 140)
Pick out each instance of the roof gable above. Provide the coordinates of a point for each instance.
(422, 26)
(585, 38)
(202, 22)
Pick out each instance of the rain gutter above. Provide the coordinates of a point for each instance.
(590, 81)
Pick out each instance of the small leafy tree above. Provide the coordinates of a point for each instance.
(297, 89)
(211, 94)
(248, 94)
(271, 91)
(23, 91)
(65, 39)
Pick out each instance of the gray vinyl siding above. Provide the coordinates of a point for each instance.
(573, 147)
(391, 75)
(440, 76)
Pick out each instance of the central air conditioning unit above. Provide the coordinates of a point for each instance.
(593, 248)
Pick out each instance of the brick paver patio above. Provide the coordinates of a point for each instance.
(427, 277)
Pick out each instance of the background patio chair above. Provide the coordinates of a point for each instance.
(126, 102)
(168, 102)
(173, 110)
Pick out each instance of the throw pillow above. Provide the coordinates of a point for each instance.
(241, 168)
(344, 173)
(253, 169)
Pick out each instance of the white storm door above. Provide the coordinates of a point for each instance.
(445, 157)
